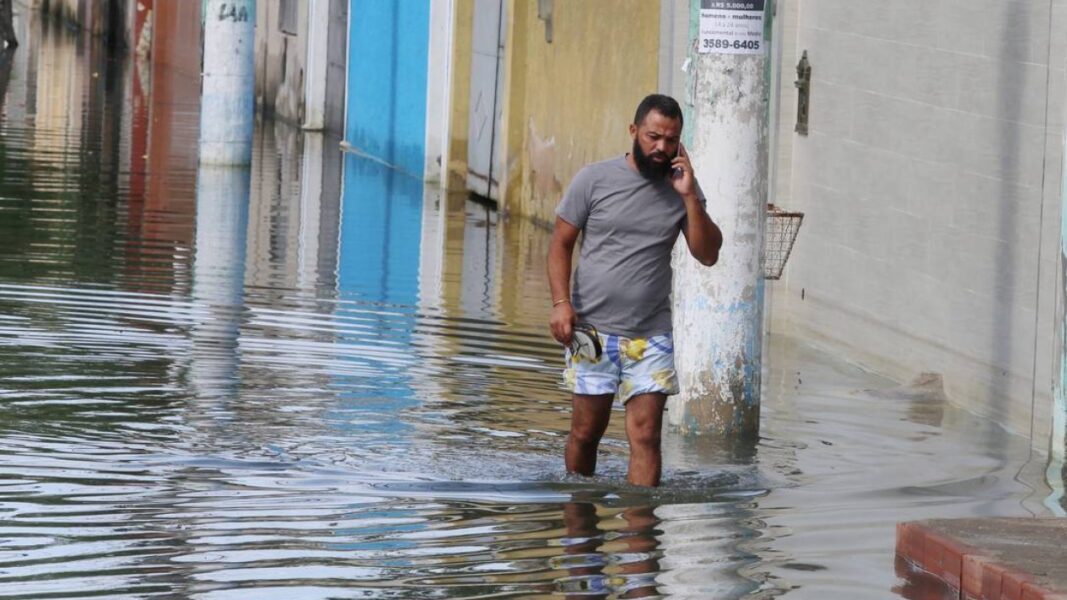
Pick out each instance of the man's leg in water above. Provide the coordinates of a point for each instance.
(589, 420)
(644, 422)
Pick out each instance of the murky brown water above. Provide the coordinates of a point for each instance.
(318, 379)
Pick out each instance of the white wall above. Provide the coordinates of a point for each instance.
(673, 48)
(930, 182)
(317, 64)
(438, 82)
(281, 63)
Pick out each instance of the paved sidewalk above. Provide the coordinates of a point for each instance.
(990, 559)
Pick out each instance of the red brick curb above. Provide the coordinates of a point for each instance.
(970, 573)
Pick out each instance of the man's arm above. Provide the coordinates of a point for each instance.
(701, 233)
(560, 251)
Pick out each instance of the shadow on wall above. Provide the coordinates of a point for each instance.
(1016, 37)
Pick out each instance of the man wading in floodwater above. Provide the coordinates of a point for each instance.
(630, 210)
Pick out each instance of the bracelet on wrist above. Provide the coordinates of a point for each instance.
(556, 303)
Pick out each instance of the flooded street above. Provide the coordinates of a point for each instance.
(319, 378)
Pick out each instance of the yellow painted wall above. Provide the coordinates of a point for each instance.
(459, 102)
(568, 102)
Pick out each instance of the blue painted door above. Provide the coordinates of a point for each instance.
(388, 42)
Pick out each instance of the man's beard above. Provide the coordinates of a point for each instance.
(649, 168)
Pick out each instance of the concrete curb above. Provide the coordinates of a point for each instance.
(971, 572)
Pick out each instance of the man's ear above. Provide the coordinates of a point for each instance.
(633, 130)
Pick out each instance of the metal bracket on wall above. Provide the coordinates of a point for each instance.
(803, 85)
(544, 12)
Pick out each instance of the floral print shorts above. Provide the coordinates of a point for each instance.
(627, 367)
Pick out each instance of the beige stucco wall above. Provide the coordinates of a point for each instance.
(931, 184)
(455, 178)
(569, 101)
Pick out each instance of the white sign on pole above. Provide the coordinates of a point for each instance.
(731, 26)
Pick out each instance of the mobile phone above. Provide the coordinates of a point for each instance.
(677, 172)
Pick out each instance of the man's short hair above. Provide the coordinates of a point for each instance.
(664, 105)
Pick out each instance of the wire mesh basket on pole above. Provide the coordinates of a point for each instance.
(779, 234)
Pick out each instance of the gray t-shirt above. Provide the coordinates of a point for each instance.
(629, 224)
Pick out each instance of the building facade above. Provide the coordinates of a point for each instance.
(932, 189)
(301, 62)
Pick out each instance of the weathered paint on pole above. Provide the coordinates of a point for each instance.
(227, 100)
(718, 311)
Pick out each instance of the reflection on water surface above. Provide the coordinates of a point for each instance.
(317, 378)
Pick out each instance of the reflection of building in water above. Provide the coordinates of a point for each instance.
(458, 306)
(717, 533)
(291, 257)
(175, 105)
(72, 82)
(480, 354)
(163, 115)
(455, 223)
(70, 149)
(60, 93)
(477, 299)
(456, 283)
(19, 101)
(432, 348)
(521, 274)
(433, 260)
(381, 229)
(218, 279)
(294, 213)
(320, 202)
(332, 177)
(274, 215)
(378, 286)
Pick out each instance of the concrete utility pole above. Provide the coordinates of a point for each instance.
(718, 312)
(227, 101)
